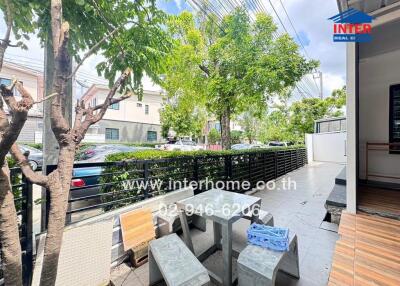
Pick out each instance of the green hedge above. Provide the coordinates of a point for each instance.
(36, 145)
(11, 162)
(211, 165)
(160, 154)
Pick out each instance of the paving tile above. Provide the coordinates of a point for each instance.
(301, 210)
(133, 280)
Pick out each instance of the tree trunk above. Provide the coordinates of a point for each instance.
(59, 185)
(226, 129)
(9, 234)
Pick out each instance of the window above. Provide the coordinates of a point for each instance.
(115, 106)
(93, 102)
(138, 104)
(146, 109)
(394, 118)
(151, 135)
(7, 82)
(112, 134)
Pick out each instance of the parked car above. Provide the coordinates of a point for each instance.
(85, 177)
(245, 146)
(35, 156)
(240, 146)
(98, 153)
(182, 145)
(279, 144)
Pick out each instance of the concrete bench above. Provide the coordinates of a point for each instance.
(168, 221)
(264, 218)
(258, 266)
(171, 260)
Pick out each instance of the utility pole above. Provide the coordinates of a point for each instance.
(50, 144)
(321, 84)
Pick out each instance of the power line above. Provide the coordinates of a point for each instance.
(277, 15)
(298, 37)
(256, 7)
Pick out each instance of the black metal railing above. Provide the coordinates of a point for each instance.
(22, 191)
(105, 184)
(104, 188)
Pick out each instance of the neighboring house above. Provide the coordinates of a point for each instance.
(32, 81)
(130, 120)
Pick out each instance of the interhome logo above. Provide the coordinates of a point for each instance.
(352, 26)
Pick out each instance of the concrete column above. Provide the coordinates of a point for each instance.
(50, 145)
(351, 128)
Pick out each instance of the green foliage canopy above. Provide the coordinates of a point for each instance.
(214, 136)
(290, 123)
(137, 36)
(232, 65)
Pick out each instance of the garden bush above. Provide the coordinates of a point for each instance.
(162, 167)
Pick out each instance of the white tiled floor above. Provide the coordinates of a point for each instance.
(301, 210)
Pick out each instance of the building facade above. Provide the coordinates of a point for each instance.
(373, 103)
(130, 120)
(32, 81)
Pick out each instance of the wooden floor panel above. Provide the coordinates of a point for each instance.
(378, 200)
(367, 253)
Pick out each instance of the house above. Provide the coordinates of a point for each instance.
(32, 81)
(128, 121)
(370, 226)
(131, 120)
(373, 102)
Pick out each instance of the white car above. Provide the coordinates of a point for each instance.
(182, 145)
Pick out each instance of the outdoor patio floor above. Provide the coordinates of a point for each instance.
(301, 210)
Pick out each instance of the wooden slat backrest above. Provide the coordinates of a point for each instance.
(137, 228)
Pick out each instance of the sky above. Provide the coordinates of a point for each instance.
(309, 18)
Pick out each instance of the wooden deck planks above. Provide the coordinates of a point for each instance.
(377, 200)
(368, 252)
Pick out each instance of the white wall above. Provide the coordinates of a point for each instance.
(327, 147)
(29, 80)
(130, 111)
(310, 148)
(377, 73)
(89, 138)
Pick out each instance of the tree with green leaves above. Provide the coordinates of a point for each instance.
(291, 122)
(275, 126)
(130, 36)
(236, 136)
(250, 121)
(304, 113)
(183, 116)
(214, 136)
(233, 64)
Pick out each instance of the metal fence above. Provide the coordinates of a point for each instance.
(22, 190)
(102, 187)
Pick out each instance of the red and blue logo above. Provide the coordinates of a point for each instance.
(352, 26)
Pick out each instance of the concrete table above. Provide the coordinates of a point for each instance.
(223, 208)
